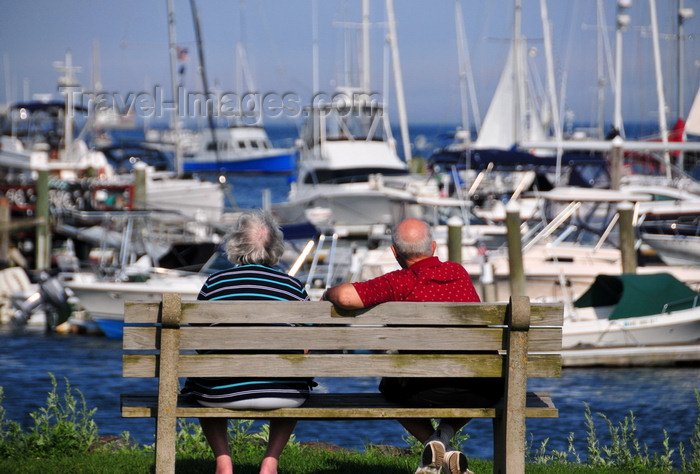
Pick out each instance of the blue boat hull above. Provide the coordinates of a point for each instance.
(280, 163)
(112, 328)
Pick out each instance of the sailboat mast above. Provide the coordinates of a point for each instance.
(551, 86)
(517, 72)
(200, 54)
(663, 127)
(365, 47)
(622, 22)
(400, 99)
(175, 117)
(461, 61)
(314, 47)
(600, 35)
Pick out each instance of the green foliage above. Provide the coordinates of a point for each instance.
(190, 439)
(416, 447)
(693, 464)
(65, 432)
(63, 426)
(625, 452)
(9, 430)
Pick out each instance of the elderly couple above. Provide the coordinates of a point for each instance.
(254, 247)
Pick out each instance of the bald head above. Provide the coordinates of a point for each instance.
(412, 240)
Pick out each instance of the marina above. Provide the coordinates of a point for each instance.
(535, 185)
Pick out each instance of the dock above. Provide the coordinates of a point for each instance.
(640, 356)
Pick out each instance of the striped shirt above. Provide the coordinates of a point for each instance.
(252, 282)
(248, 282)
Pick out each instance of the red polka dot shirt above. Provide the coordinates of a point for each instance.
(426, 280)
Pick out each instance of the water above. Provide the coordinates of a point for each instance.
(660, 398)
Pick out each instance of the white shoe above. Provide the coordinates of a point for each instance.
(455, 462)
(432, 458)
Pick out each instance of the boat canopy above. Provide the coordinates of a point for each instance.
(637, 295)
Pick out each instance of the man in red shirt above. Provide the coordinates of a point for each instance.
(423, 277)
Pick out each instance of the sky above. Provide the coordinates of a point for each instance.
(132, 39)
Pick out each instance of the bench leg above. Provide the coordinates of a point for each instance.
(499, 453)
(168, 386)
(166, 440)
(508, 446)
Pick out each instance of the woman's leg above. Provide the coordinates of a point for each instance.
(216, 432)
(280, 431)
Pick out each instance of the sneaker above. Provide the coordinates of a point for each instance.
(432, 458)
(455, 463)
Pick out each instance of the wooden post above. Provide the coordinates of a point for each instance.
(616, 163)
(168, 388)
(509, 424)
(627, 247)
(488, 285)
(139, 186)
(43, 239)
(4, 232)
(454, 239)
(515, 250)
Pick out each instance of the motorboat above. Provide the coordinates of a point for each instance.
(633, 310)
(238, 149)
(676, 241)
(103, 299)
(349, 172)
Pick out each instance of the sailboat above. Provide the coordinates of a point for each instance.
(513, 118)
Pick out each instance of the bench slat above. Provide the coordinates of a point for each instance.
(342, 365)
(333, 406)
(542, 314)
(341, 338)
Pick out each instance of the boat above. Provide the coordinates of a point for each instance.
(103, 299)
(676, 241)
(41, 135)
(102, 295)
(562, 258)
(633, 310)
(238, 149)
(675, 249)
(34, 137)
(349, 172)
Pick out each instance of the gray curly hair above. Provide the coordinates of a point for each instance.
(257, 239)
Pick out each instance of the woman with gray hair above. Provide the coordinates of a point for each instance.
(254, 247)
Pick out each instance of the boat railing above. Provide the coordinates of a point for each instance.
(684, 303)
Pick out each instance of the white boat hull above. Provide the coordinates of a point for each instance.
(678, 327)
(675, 249)
(105, 299)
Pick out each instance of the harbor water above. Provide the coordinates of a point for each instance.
(661, 399)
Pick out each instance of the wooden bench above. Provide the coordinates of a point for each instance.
(513, 340)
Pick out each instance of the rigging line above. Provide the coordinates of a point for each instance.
(210, 115)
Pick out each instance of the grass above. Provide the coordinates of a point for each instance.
(64, 439)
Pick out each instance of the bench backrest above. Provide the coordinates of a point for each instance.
(403, 339)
